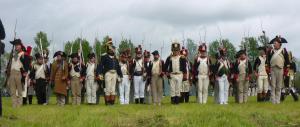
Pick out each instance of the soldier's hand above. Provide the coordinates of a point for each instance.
(256, 74)
(24, 74)
(101, 77)
(33, 81)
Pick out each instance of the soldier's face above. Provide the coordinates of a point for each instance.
(176, 53)
(146, 59)
(203, 53)
(93, 60)
(156, 57)
(58, 57)
(277, 45)
(139, 55)
(75, 59)
(243, 57)
(18, 47)
(261, 52)
(40, 60)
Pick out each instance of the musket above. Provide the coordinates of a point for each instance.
(71, 51)
(221, 40)
(8, 67)
(42, 52)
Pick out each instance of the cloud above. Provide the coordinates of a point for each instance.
(154, 21)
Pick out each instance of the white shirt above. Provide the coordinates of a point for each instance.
(203, 66)
(262, 66)
(242, 66)
(16, 64)
(175, 64)
(73, 73)
(124, 68)
(90, 71)
(138, 65)
(156, 67)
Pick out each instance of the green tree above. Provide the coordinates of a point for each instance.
(192, 49)
(263, 39)
(251, 46)
(214, 46)
(41, 36)
(74, 47)
(126, 44)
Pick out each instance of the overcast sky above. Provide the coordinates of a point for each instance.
(156, 21)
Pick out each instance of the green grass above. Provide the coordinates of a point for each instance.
(192, 114)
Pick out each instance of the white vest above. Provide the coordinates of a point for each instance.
(16, 64)
(262, 66)
(242, 66)
(124, 68)
(175, 64)
(156, 67)
(277, 58)
(138, 65)
(40, 71)
(203, 66)
(90, 71)
(73, 73)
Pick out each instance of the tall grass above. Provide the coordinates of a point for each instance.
(192, 114)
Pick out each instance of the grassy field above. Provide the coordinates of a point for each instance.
(192, 114)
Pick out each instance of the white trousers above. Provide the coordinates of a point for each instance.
(203, 82)
(263, 84)
(175, 84)
(223, 89)
(139, 87)
(91, 88)
(124, 89)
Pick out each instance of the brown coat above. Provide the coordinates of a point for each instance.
(59, 75)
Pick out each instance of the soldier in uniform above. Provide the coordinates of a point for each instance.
(261, 70)
(59, 74)
(124, 86)
(2, 47)
(185, 89)
(243, 71)
(222, 71)
(147, 77)
(39, 74)
(279, 63)
(109, 70)
(18, 72)
(89, 73)
(76, 78)
(156, 73)
(289, 83)
(28, 90)
(202, 73)
(175, 69)
(137, 71)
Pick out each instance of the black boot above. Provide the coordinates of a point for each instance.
(268, 96)
(112, 99)
(259, 97)
(142, 101)
(282, 97)
(172, 100)
(136, 101)
(24, 101)
(187, 97)
(30, 99)
(176, 100)
(182, 97)
(294, 94)
(106, 99)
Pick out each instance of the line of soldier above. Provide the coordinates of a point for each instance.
(271, 68)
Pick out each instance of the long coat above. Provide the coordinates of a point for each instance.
(58, 72)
